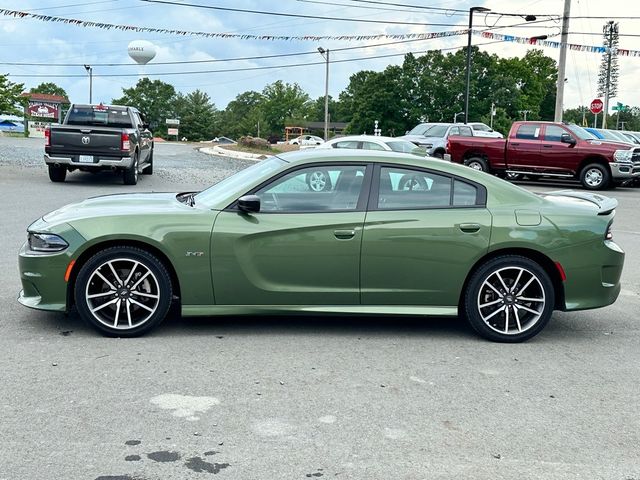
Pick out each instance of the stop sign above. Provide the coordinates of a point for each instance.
(596, 106)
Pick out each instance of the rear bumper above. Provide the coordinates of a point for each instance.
(624, 171)
(98, 161)
(595, 283)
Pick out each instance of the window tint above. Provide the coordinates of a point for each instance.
(403, 146)
(464, 193)
(528, 132)
(371, 146)
(403, 188)
(553, 133)
(346, 144)
(314, 189)
(99, 115)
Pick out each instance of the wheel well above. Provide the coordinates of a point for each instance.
(540, 258)
(593, 159)
(87, 254)
(472, 154)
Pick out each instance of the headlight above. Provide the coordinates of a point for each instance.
(623, 155)
(46, 242)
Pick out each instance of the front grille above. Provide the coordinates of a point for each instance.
(635, 156)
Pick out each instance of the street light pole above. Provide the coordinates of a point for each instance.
(468, 80)
(90, 72)
(326, 93)
(562, 61)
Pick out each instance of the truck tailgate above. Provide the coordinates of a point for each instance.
(86, 140)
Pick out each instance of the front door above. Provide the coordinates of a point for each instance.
(556, 155)
(421, 238)
(302, 248)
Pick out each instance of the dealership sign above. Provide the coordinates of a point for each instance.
(43, 109)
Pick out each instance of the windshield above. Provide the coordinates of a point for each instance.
(580, 132)
(99, 115)
(437, 131)
(405, 147)
(239, 181)
(420, 129)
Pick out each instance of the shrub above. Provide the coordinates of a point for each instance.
(254, 142)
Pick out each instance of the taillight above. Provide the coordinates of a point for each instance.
(47, 137)
(125, 142)
(608, 234)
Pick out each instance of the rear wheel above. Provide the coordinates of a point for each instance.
(595, 177)
(509, 299)
(149, 168)
(123, 291)
(57, 174)
(477, 163)
(130, 175)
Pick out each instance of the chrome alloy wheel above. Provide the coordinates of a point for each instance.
(318, 181)
(475, 165)
(511, 300)
(122, 293)
(593, 177)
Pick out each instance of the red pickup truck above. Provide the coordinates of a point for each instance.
(551, 150)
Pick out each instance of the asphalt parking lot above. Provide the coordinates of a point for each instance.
(291, 398)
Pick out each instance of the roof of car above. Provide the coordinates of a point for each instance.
(367, 137)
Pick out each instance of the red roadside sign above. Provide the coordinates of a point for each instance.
(596, 106)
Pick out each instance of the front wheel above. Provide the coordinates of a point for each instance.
(57, 174)
(595, 177)
(509, 299)
(123, 291)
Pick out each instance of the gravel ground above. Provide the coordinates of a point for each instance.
(291, 398)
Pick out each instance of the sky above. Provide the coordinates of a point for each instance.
(32, 41)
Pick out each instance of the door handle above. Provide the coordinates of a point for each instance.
(344, 234)
(515, 144)
(469, 227)
(547, 146)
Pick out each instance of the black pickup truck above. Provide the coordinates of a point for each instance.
(100, 137)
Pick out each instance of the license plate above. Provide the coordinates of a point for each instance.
(85, 158)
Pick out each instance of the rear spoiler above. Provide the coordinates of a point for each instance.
(605, 205)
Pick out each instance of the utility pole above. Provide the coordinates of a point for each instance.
(492, 114)
(562, 61)
(610, 31)
(468, 70)
(90, 72)
(325, 54)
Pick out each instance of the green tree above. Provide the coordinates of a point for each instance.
(198, 115)
(282, 103)
(242, 116)
(155, 99)
(11, 103)
(49, 88)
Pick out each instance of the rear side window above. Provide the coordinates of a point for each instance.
(346, 144)
(464, 194)
(466, 131)
(371, 146)
(99, 116)
(528, 132)
(412, 189)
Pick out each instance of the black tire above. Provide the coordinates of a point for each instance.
(149, 168)
(156, 282)
(57, 174)
(595, 177)
(412, 182)
(438, 154)
(319, 180)
(498, 309)
(477, 163)
(130, 175)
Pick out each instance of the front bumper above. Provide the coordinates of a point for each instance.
(42, 278)
(625, 170)
(98, 161)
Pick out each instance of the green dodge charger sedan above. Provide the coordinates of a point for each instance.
(329, 232)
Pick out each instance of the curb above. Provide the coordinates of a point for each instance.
(221, 152)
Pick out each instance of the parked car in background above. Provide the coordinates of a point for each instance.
(100, 137)
(305, 140)
(484, 130)
(632, 137)
(550, 149)
(394, 234)
(433, 136)
(610, 135)
(371, 142)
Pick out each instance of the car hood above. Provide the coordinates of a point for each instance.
(118, 204)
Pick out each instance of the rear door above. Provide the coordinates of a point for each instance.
(302, 248)
(523, 149)
(423, 232)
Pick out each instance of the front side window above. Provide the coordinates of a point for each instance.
(553, 133)
(466, 131)
(371, 146)
(314, 189)
(412, 189)
(346, 144)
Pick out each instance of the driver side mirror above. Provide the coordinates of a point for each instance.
(249, 203)
(566, 138)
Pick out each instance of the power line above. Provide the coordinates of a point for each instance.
(320, 2)
(245, 69)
